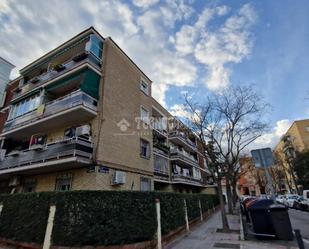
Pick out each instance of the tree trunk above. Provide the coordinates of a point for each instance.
(225, 224)
(229, 195)
(234, 193)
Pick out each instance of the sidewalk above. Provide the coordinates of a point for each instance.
(204, 236)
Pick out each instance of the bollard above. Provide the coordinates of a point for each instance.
(201, 211)
(186, 215)
(159, 235)
(49, 227)
(299, 239)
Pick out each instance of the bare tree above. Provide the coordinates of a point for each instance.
(231, 120)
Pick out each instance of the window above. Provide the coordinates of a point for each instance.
(144, 149)
(196, 173)
(160, 164)
(144, 86)
(29, 185)
(307, 128)
(64, 182)
(25, 106)
(94, 46)
(144, 115)
(145, 184)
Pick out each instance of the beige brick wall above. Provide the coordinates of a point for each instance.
(122, 99)
(83, 180)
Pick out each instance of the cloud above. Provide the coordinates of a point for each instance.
(145, 3)
(272, 138)
(179, 110)
(216, 48)
(173, 43)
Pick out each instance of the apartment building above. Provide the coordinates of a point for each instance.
(82, 117)
(249, 178)
(296, 139)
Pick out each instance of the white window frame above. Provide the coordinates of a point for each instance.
(64, 177)
(147, 181)
(147, 156)
(146, 119)
(146, 89)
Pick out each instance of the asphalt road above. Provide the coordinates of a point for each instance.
(300, 220)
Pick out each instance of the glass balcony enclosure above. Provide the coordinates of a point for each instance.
(72, 108)
(160, 165)
(88, 50)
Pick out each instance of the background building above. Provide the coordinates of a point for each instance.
(296, 139)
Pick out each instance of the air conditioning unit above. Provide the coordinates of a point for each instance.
(83, 131)
(34, 80)
(2, 154)
(37, 142)
(21, 82)
(14, 181)
(119, 177)
(70, 132)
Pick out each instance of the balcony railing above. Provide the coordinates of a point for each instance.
(183, 138)
(73, 147)
(161, 150)
(69, 101)
(186, 179)
(48, 76)
(179, 155)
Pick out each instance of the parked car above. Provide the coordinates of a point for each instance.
(301, 204)
(280, 199)
(289, 200)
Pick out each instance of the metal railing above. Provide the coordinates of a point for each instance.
(178, 155)
(64, 103)
(183, 178)
(48, 76)
(160, 151)
(183, 138)
(72, 147)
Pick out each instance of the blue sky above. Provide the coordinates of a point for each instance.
(183, 46)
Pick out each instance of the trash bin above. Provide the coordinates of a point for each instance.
(280, 220)
(245, 204)
(260, 218)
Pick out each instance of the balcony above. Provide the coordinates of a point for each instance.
(181, 139)
(71, 109)
(183, 158)
(64, 154)
(84, 60)
(161, 149)
(188, 180)
(161, 168)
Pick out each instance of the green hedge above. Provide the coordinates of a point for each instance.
(96, 217)
(24, 217)
(104, 218)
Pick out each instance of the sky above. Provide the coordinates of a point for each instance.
(193, 46)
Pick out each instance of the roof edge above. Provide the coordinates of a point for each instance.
(88, 30)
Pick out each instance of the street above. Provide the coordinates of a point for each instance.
(300, 220)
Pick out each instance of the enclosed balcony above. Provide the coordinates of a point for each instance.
(161, 168)
(79, 62)
(70, 109)
(60, 155)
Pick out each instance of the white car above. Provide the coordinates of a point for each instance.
(289, 200)
(280, 199)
